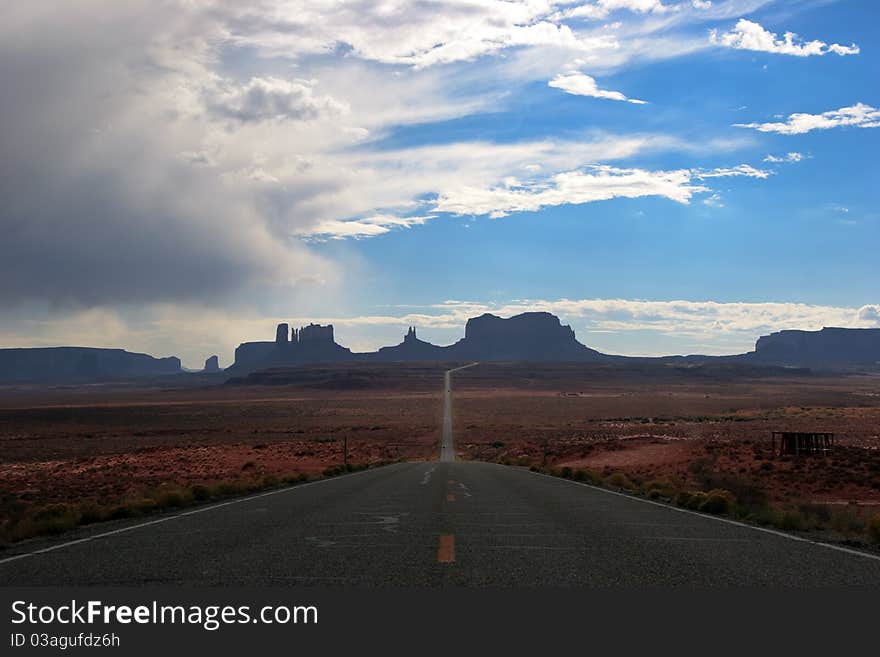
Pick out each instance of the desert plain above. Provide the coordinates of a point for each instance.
(77, 454)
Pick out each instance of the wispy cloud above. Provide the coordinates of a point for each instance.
(595, 183)
(788, 157)
(602, 8)
(360, 228)
(858, 115)
(748, 35)
(579, 84)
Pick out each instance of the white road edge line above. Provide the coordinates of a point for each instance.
(121, 530)
(728, 521)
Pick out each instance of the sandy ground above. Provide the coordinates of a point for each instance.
(112, 442)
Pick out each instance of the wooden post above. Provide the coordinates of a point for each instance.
(345, 452)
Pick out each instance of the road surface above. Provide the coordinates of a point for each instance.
(447, 446)
(446, 523)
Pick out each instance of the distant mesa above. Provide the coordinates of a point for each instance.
(310, 344)
(541, 337)
(80, 364)
(830, 348)
(537, 336)
(527, 337)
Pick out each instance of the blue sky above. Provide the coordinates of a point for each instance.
(670, 176)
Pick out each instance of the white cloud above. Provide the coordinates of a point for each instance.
(747, 35)
(713, 201)
(858, 115)
(701, 4)
(595, 183)
(788, 157)
(400, 32)
(579, 84)
(271, 98)
(837, 49)
(359, 228)
(870, 314)
(744, 170)
(601, 8)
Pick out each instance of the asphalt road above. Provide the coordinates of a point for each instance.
(447, 446)
(442, 523)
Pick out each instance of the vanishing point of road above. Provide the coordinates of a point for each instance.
(438, 523)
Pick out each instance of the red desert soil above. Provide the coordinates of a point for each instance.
(115, 444)
(633, 456)
(112, 442)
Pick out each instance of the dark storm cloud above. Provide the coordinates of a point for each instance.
(106, 195)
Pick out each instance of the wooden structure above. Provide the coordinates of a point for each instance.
(803, 443)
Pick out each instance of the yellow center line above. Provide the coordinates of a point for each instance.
(450, 497)
(451, 482)
(446, 549)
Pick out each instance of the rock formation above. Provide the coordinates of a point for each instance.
(830, 348)
(411, 349)
(526, 337)
(316, 333)
(540, 336)
(79, 365)
(212, 365)
(309, 344)
(537, 336)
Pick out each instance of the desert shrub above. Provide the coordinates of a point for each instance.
(792, 520)
(142, 505)
(89, 513)
(170, 498)
(718, 502)
(565, 472)
(699, 466)
(874, 529)
(683, 498)
(51, 519)
(119, 511)
(587, 476)
(820, 513)
(766, 516)
(665, 488)
(253, 485)
(749, 494)
(131, 508)
(229, 487)
(620, 480)
(696, 500)
(200, 492)
(847, 521)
